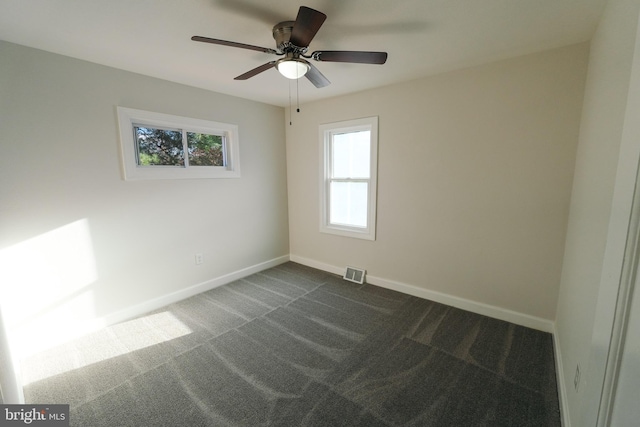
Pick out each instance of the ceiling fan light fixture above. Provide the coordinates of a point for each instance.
(293, 68)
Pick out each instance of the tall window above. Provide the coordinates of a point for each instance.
(161, 146)
(348, 181)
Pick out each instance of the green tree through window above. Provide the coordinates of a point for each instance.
(159, 147)
(165, 147)
(205, 150)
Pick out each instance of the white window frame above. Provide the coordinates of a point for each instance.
(326, 134)
(129, 117)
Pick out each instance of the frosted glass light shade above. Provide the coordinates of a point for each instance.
(293, 68)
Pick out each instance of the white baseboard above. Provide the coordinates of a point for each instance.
(562, 385)
(161, 301)
(451, 300)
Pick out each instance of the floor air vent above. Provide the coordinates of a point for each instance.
(354, 275)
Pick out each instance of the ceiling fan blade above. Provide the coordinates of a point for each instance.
(350, 56)
(257, 70)
(233, 44)
(307, 24)
(316, 77)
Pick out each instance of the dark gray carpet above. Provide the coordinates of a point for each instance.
(294, 346)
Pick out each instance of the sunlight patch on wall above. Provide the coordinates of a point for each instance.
(108, 343)
(46, 292)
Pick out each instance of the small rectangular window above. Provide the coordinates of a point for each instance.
(348, 181)
(161, 146)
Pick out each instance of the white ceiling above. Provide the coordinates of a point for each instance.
(422, 37)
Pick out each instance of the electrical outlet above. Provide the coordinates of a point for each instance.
(199, 259)
(576, 379)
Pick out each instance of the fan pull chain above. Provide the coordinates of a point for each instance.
(289, 102)
(298, 95)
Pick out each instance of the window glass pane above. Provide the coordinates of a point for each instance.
(351, 155)
(159, 147)
(348, 203)
(205, 150)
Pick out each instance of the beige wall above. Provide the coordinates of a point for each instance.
(93, 244)
(474, 179)
(605, 176)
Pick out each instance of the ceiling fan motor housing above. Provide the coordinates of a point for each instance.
(282, 34)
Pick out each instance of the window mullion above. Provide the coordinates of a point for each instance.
(350, 179)
(225, 162)
(185, 148)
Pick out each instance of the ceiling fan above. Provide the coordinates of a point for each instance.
(292, 42)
